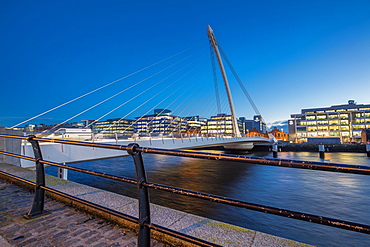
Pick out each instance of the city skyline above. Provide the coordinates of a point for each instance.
(289, 55)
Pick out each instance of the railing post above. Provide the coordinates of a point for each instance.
(322, 151)
(275, 150)
(144, 207)
(38, 201)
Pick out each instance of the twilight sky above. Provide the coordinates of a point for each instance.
(289, 54)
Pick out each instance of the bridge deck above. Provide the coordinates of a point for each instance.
(64, 226)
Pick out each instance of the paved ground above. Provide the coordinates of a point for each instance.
(63, 226)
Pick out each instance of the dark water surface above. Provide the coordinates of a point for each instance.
(336, 195)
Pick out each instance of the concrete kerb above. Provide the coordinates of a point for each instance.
(195, 226)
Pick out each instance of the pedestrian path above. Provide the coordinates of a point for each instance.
(62, 226)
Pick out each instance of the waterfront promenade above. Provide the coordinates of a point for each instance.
(65, 226)
(62, 226)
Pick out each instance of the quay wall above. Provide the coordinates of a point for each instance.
(302, 147)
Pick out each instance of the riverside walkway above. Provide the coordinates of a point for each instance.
(65, 226)
(62, 226)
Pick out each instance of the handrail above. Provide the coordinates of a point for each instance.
(144, 210)
(324, 166)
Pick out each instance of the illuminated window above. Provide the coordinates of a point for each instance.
(311, 123)
(356, 133)
(322, 122)
(359, 121)
(345, 133)
(323, 128)
(334, 122)
(322, 133)
(312, 134)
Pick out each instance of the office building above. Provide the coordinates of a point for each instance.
(196, 125)
(162, 122)
(257, 123)
(338, 122)
(222, 125)
(112, 127)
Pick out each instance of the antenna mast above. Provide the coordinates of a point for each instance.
(212, 40)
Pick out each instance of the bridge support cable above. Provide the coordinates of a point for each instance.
(106, 85)
(184, 92)
(198, 95)
(132, 86)
(240, 82)
(152, 107)
(214, 44)
(195, 97)
(147, 89)
(163, 99)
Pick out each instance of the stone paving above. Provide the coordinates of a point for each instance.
(62, 226)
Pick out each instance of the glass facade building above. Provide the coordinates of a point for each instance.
(196, 125)
(221, 125)
(161, 122)
(109, 127)
(257, 123)
(344, 122)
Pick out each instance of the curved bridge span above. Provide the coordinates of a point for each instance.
(63, 153)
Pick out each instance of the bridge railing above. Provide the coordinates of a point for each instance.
(144, 222)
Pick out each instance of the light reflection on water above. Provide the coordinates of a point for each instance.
(336, 195)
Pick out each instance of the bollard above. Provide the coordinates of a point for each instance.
(275, 150)
(322, 151)
(368, 150)
(63, 173)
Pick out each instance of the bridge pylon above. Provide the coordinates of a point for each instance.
(213, 42)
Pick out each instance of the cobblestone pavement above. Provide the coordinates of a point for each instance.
(63, 226)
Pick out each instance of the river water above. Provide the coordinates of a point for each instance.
(330, 194)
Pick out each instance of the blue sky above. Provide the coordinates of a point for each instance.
(289, 54)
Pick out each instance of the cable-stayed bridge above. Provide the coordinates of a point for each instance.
(182, 85)
(63, 153)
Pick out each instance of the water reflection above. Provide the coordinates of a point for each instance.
(337, 195)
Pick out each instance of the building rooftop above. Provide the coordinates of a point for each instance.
(351, 105)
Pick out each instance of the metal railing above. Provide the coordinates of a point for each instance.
(144, 222)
